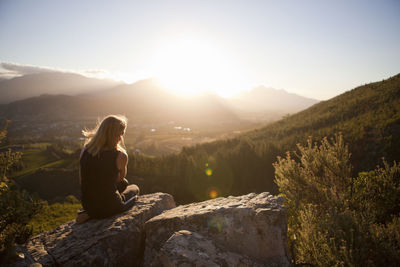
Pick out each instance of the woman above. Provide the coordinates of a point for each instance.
(103, 161)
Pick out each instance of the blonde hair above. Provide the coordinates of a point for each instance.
(105, 135)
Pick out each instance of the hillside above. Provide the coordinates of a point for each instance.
(367, 116)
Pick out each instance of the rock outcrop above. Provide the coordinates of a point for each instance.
(252, 228)
(114, 241)
(248, 230)
(185, 248)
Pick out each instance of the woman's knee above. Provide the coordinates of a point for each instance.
(133, 188)
(122, 185)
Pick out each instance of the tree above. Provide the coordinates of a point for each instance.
(16, 207)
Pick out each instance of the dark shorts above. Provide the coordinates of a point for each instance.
(128, 195)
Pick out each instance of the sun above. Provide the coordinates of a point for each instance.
(191, 67)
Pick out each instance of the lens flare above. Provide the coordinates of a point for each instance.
(213, 193)
(209, 172)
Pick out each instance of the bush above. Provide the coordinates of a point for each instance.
(335, 220)
(16, 207)
(377, 193)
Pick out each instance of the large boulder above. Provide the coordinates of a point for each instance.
(251, 228)
(114, 241)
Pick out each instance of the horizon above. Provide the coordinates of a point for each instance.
(157, 83)
(200, 93)
(313, 49)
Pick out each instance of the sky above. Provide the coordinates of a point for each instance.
(317, 48)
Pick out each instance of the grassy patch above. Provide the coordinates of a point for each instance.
(39, 145)
(53, 215)
(35, 156)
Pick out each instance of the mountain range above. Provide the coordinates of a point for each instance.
(32, 85)
(264, 99)
(70, 96)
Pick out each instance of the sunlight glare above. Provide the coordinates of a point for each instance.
(191, 67)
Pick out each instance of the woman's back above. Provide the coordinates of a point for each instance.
(99, 173)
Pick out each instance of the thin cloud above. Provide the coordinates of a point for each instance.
(101, 74)
(6, 75)
(19, 69)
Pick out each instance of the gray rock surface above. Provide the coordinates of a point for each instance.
(247, 230)
(253, 226)
(185, 248)
(114, 241)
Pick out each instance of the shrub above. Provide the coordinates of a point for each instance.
(16, 207)
(335, 220)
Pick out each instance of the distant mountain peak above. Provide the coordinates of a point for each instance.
(262, 98)
(35, 84)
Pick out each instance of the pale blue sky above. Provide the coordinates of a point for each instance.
(314, 48)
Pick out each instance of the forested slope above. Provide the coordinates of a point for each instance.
(367, 116)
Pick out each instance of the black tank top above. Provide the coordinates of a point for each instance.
(100, 197)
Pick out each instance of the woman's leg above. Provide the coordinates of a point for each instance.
(130, 194)
(121, 186)
(130, 191)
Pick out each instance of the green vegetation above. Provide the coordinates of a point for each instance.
(54, 215)
(334, 219)
(44, 155)
(241, 169)
(50, 170)
(52, 185)
(16, 207)
(46, 169)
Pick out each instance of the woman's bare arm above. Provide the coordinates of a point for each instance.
(122, 163)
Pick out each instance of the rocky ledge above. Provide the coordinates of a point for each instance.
(247, 230)
(114, 241)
